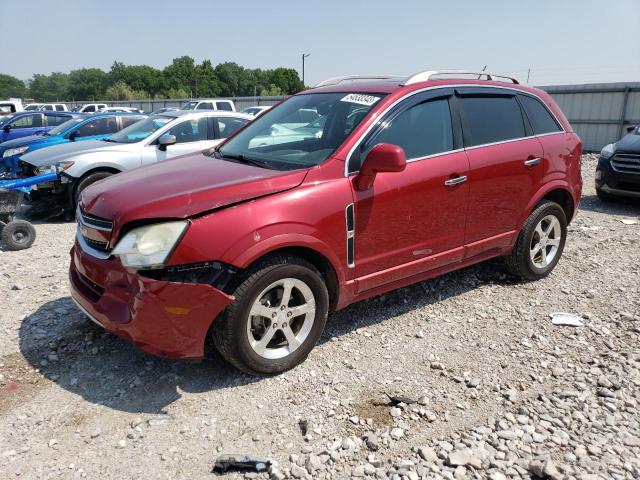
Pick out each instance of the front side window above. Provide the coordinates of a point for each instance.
(48, 108)
(31, 108)
(59, 108)
(140, 130)
(539, 117)
(492, 119)
(27, 121)
(189, 131)
(55, 120)
(90, 108)
(228, 125)
(301, 132)
(422, 130)
(225, 106)
(99, 126)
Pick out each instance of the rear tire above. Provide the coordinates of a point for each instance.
(85, 182)
(18, 235)
(260, 333)
(540, 243)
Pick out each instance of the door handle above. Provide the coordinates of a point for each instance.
(455, 181)
(532, 162)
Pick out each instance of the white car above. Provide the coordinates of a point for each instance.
(90, 107)
(210, 104)
(121, 109)
(13, 105)
(46, 107)
(257, 110)
(157, 138)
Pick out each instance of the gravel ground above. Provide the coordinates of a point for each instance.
(482, 385)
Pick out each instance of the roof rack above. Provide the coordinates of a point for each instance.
(426, 76)
(338, 80)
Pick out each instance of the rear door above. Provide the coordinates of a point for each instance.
(505, 166)
(412, 221)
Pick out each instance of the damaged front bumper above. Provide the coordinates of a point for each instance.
(164, 318)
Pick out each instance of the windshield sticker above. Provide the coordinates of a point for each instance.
(360, 99)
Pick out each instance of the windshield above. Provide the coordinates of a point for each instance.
(63, 127)
(189, 106)
(140, 130)
(301, 132)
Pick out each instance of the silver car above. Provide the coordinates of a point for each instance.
(158, 137)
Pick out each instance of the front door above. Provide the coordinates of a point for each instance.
(191, 136)
(22, 127)
(412, 221)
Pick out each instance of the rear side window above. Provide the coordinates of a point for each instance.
(228, 125)
(492, 119)
(424, 129)
(226, 106)
(55, 120)
(60, 108)
(540, 118)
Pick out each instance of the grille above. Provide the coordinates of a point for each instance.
(96, 232)
(626, 163)
(95, 222)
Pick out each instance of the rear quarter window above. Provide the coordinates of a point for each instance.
(541, 120)
(491, 119)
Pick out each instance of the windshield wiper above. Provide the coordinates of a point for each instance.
(243, 159)
(109, 140)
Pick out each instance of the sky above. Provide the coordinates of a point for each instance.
(552, 41)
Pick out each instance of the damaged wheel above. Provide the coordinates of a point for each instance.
(278, 315)
(18, 235)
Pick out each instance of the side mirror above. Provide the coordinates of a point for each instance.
(6, 128)
(629, 129)
(165, 140)
(384, 157)
(73, 135)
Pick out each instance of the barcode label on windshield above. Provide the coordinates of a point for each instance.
(360, 99)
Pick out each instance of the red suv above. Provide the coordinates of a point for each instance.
(356, 187)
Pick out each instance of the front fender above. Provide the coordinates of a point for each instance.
(83, 165)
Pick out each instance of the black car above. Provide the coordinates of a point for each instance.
(618, 170)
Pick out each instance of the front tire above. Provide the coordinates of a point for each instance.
(85, 182)
(540, 243)
(277, 317)
(603, 196)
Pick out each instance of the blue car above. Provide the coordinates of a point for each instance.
(80, 127)
(22, 124)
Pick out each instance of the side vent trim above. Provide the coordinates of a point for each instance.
(351, 233)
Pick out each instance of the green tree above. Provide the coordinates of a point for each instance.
(12, 87)
(51, 87)
(87, 84)
(180, 74)
(122, 91)
(287, 80)
(142, 78)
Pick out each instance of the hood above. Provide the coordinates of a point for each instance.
(22, 141)
(61, 153)
(628, 144)
(182, 187)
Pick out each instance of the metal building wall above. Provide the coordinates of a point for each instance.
(600, 112)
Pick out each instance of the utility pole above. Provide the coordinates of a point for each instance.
(528, 75)
(304, 55)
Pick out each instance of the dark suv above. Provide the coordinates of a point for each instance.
(618, 170)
